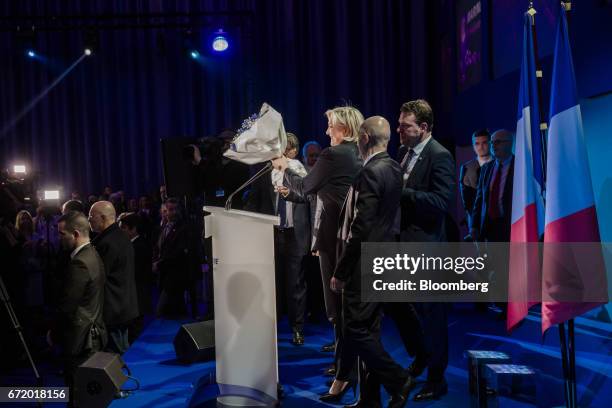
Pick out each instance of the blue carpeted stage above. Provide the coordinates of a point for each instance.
(165, 383)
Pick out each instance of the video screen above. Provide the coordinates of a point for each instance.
(469, 43)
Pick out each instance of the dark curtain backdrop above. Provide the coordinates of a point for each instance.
(101, 124)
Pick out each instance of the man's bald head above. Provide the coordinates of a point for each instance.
(378, 130)
(101, 216)
(374, 135)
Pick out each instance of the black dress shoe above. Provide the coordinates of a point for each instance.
(328, 348)
(298, 338)
(330, 371)
(399, 400)
(432, 391)
(327, 397)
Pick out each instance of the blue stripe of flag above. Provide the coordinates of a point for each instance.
(563, 91)
(528, 96)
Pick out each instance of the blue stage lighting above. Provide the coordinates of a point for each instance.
(31, 53)
(220, 42)
(194, 54)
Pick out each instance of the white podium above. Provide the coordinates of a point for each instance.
(245, 306)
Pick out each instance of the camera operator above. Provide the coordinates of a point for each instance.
(215, 175)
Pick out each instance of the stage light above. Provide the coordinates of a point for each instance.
(51, 195)
(19, 169)
(194, 54)
(31, 53)
(91, 42)
(220, 42)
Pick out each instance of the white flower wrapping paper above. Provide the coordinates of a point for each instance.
(261, 139)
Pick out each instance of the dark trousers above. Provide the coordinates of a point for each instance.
(289, 259)
(345, 369)
(423, 328)
(171, 303)
(496, 230)
(327, 262)
(361, 327)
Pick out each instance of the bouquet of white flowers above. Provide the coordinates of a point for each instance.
(261, 138)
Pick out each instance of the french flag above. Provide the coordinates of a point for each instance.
(524, 279)
(568, 277)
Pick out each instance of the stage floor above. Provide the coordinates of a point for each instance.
(165, 383)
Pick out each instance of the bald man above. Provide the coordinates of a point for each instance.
(493, 205)
(368, 215)
(117, 252)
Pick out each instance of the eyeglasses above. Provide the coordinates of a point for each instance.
(494, 142)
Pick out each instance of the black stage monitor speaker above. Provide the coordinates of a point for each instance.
(98, 380)
(195, 342)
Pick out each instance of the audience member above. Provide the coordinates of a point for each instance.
(120, 297)
(130, 224)
(172, 262)
(73, 205)
(470, 172)
(310, 154)
(79, 329)
(493, 205)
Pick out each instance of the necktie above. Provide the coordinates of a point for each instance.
(167, 230)
(494, 208)
(407, 158)
(282, 212)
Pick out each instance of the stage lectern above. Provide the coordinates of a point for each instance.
(245, 306)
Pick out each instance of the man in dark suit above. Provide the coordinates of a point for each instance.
(368, 215)
(493, 205)
(79, 329)
(428, 185)
(120, 296)
(173, 263)
(131, 225)
(470, 171)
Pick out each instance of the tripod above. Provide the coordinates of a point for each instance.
(4, 295)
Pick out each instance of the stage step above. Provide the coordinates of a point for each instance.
(510, 382)
(477, 359)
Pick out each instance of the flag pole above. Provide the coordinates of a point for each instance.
(572, 362)
(567, 7)
(539, 75)
(565, 364)
(568, 348)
